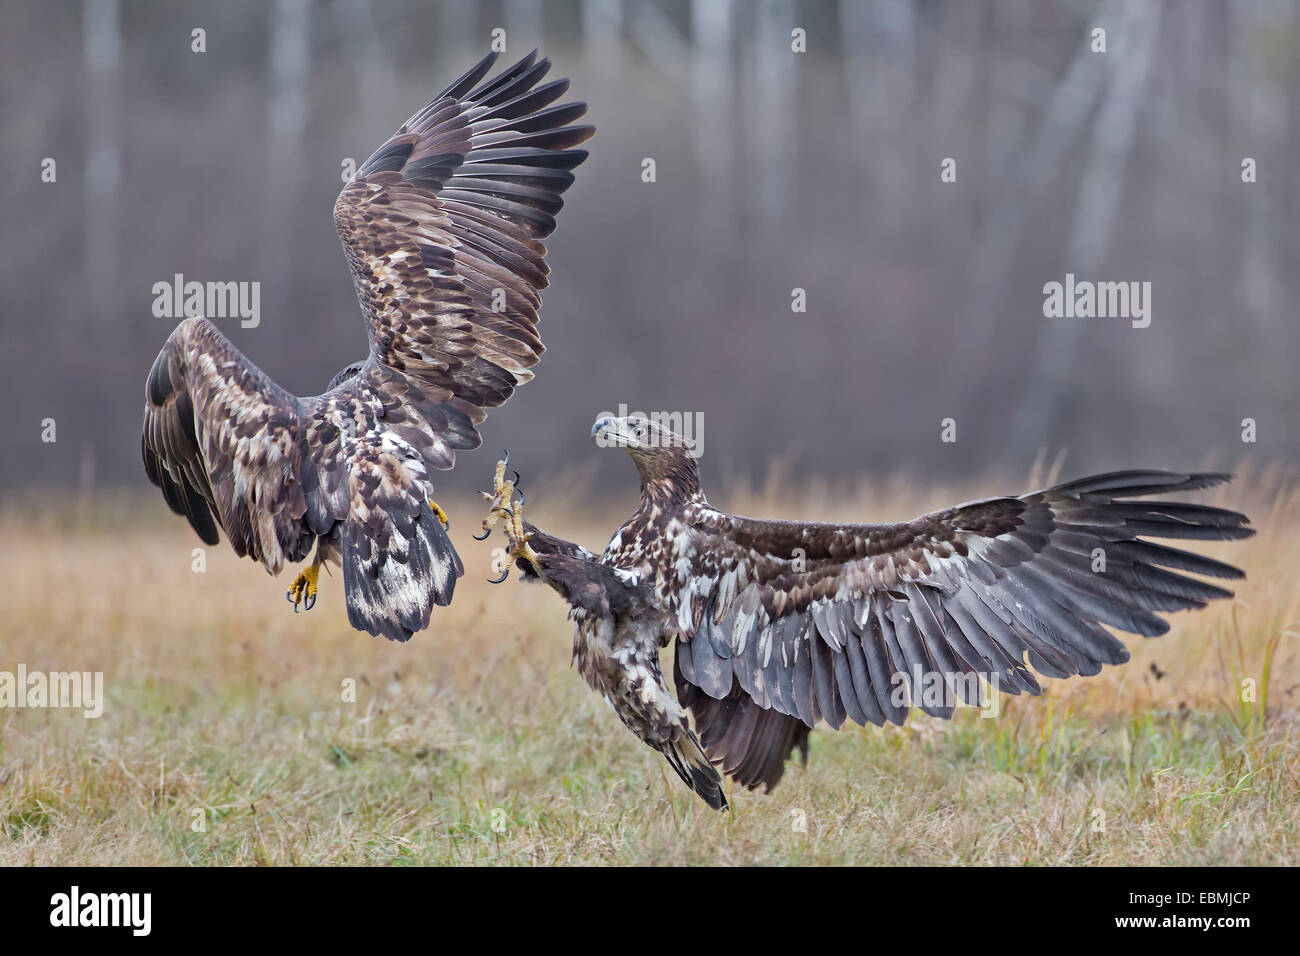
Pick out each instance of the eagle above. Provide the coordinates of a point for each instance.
(442, 228)
(781, 625)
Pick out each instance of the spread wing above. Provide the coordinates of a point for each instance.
(442, 227)
(823, 622)
(231, 449)
(228, 448)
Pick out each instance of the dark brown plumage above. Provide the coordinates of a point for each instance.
(780, 625)
(442, 230)
(618, 625)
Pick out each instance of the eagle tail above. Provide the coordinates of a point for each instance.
(392, 590)
(687, 757)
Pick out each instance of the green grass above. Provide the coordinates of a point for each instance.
(226, 740)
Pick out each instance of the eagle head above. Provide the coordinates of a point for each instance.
(664, 459)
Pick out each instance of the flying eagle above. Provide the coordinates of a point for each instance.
(782, 624)
(443, 229)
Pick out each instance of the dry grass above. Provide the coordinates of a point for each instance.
(223, 702)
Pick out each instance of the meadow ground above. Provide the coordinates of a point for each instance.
(226, 739)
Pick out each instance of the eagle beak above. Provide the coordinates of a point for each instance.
(598, 430)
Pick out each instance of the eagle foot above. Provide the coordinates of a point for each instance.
(499, 497)
(303, 589)
(511, 514)
(439, 514)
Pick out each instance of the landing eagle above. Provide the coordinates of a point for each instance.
(779, 625)
(443, 229)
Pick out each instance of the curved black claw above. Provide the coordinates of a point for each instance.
(483, 536)
(309, 603)
(517, 478)
(506, 461)
(504, 574)
(288, 596)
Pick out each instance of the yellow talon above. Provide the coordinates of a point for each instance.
(499, 498)
(519, 547)
(502, 507)
(440, 514)
(303, 589)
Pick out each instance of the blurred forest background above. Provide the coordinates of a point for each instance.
(775, 170)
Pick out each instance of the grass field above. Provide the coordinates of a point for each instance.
(226, 738)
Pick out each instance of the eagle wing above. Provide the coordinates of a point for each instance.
(823, 621)
(442, 228)
(228, 448)
(231, 449)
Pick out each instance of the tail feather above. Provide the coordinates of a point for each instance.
(687, 757)
(391, 592)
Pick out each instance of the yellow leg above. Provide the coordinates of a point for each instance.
(440, 514)
(498, 498)
(511, 514)
(303, 589)
(519, 546)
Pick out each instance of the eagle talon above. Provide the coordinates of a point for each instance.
(519, 538)
(303, 589)
(499, 498)
(502, 505)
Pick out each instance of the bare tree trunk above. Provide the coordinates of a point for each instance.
(879, 49)
(1063, 120)
(458, 22)
(523, 26)
(102, 42)
(602, 35)
(655, 33)
(1099, 196)
(772, 114)
(713, 81)
(355, 20)
(1259, 107)
(290, 63)
(1006, 126)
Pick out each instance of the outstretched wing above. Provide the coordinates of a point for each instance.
(227, 447)
(821, 621)
(231, 449)
(442, 227)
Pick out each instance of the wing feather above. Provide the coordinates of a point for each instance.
(442, 228)
(230, 449)
(976, 594)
